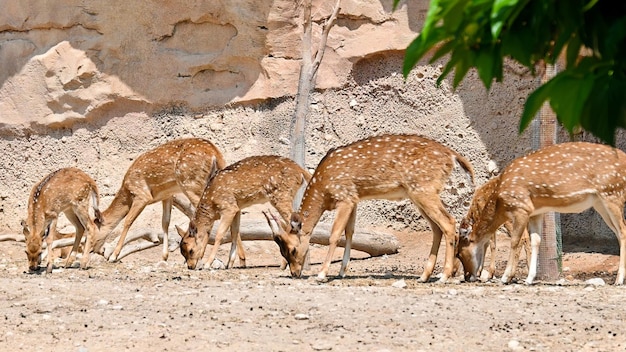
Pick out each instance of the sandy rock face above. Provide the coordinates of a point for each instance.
(72, 59)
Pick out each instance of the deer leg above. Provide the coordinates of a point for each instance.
(92, 234)
(487, 274)
(346, 251)
(344, 211)
(613, 214)
(441, 223)
(165, 224)
(535, 226)
(225, 222)
(52, 235)
(132, 215)
(236, 245)
(80, 229)
(519, 225)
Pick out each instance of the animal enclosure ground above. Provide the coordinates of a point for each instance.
(144, 304)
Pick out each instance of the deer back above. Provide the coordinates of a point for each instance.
(382, 167)
(57, 192)
(562, 175)
(174, 165)
(253, 180)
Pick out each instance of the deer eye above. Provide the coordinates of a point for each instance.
(293, 252)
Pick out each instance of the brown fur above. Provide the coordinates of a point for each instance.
(181, 166)
(253, 180)
(568, 177)
(390, 167)
(69, 191)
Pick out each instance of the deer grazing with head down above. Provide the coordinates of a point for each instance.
(69, 191)
(253, 180)
(481, 196)
(567, 178)
(181, 166)
(390, 167)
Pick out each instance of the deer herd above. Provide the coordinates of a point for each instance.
(191, 174)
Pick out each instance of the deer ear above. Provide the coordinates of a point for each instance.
(25, 229)
(180, 231)
(296, 223)
(193, 230)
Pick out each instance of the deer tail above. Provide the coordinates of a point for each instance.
(466, 165)
(95, 200)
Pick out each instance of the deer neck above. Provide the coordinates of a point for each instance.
(311, 210)
(117, 210)
(205, 217)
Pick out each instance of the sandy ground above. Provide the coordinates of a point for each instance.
(143, 304)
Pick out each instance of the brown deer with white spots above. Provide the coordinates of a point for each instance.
(481, 197)
(253, 180)
(390, 167)
(567, 178)
(178, 167)
(69, 191)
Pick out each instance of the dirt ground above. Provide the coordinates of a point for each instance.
(142, 303)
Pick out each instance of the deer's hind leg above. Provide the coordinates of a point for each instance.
(80, 229)
(612, 212)
(441, 223)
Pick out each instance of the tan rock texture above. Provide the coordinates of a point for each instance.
(93, 84)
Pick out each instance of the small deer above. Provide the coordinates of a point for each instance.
(253, 180)
(390, 167)
(567, 178)
(160, 174)
(478, 203)
(69, 191)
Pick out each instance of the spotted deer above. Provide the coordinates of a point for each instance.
(69, 191)
(478, 203)
(566, 178)
(253, 180)
(177, 167)
(392, 167)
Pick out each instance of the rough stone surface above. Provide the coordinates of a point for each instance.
(93, 84)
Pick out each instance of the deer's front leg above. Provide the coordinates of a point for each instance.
(165, 224)
(346, 251)
(225, 222)
(236, 245)
(344, 209)
(135, 210)
(520, 222)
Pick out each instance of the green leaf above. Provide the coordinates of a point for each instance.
(569, 95)
(418, 48)
(485, 63)
(500, 13)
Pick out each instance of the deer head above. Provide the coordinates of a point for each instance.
(189, 246)
(33, 248)
(470, 252)
(293, 246)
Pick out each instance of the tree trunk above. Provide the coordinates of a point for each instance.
(547, 267)
(306, 84)
(370, 242)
